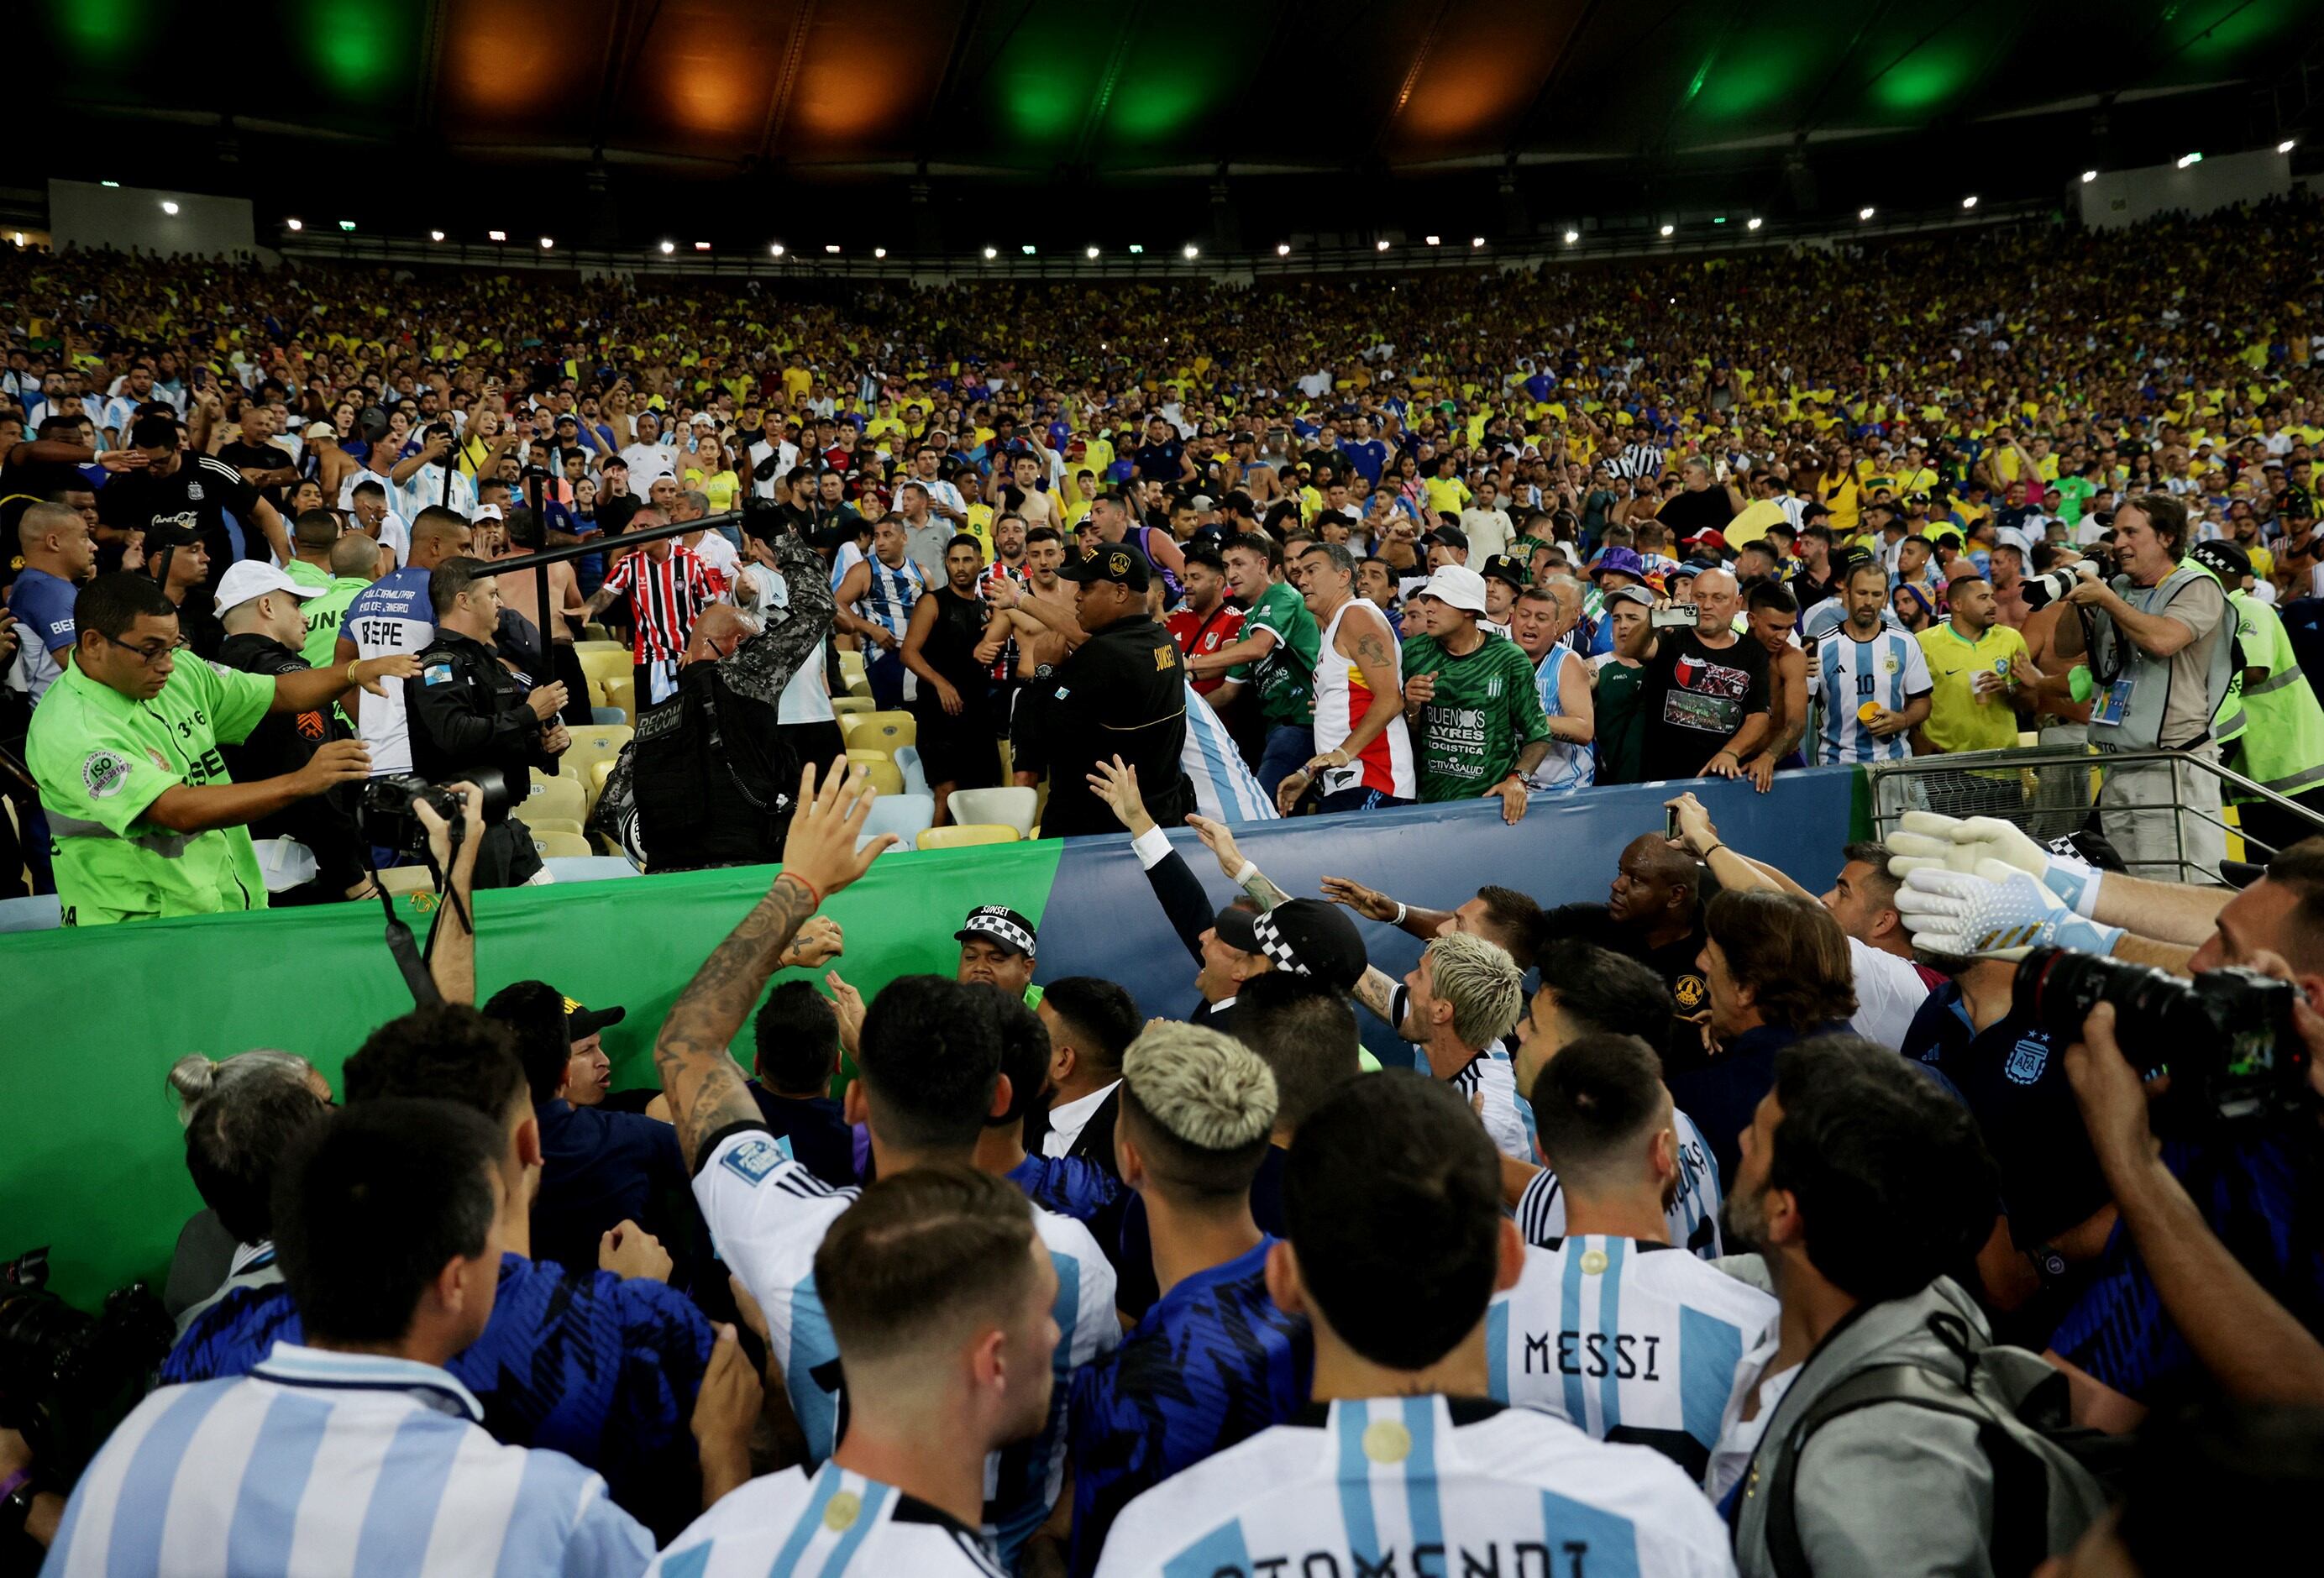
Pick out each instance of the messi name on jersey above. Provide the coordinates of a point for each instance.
(1624, 1355)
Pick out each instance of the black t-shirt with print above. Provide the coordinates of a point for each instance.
(1696, 697)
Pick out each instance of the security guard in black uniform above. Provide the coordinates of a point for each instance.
(1120, 693)
(469, 713)
(712, 772)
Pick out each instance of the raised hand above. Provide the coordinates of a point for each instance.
(820, 850)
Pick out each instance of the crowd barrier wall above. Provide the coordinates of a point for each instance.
(92, 1164)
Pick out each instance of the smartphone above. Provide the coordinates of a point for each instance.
(1670, 823)
(1677, 616)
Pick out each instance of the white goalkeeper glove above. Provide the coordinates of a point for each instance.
(1925, 840)
(1995, 912)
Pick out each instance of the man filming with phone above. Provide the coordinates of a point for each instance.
(1705, 688)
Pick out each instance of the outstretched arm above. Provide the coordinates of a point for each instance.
(698, 1075)
(1175, 888)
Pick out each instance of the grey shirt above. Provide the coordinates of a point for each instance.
(924, 546)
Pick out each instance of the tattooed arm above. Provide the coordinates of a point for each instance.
(699, 1076)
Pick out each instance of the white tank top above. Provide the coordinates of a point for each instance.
(1341, 699)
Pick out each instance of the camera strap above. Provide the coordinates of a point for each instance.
(410, 958)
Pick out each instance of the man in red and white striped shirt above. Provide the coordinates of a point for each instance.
(668, 587)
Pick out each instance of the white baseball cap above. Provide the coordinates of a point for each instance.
(321, 430)
(1457, 587)
(486, 513)
(251, 577)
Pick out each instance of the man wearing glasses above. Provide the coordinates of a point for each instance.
(146, 819)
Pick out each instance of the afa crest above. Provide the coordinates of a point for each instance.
(2027, 1059)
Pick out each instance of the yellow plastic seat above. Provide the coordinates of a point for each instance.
(886, 776)
(852, 676)
(555, 796)
(603, 660)
(539, 825)
(546, 844)
(596, 742)
(845, 705)
(621, 693)
(961, 837)
(884, 732)
(399, 880)
(599, 771)
(1011, 806)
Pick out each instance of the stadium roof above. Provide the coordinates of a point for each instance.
(717, 116)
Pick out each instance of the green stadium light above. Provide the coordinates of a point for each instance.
(357, 46)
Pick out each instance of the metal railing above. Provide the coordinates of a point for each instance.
(2053, 791)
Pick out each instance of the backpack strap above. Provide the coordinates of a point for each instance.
(2019, 1540)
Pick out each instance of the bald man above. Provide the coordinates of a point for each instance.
(1704, 692)
(1655, 903)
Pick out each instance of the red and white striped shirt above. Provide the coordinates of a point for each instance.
(666, 597)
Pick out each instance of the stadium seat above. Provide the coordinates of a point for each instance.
(880, 731)
(556, 796)
(41, 912)
(885, 778)
(961, 837)
(905, 815)
(908, 762)
(1008, 807)
(608, 715)
(622, 697)
(599, 771)
(596, 742)
(588, 868)
(851, 675)
(843, 705)
(560, 844)
(547, 823)
(604, 661)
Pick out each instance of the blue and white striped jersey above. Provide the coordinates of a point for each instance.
(1693, 1215)
(1225, 791)
(1632, 1342)
(1421, 1484)
(1021, 1481)
(826, 1525)
(1568, 766)
(894, 589)
(1844, 673)
(768, 1215)
(321, 1461)
(1488, 1082)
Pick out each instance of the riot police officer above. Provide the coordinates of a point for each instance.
(470, 712)
(1122, 692)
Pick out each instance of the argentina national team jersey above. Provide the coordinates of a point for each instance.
(1692, 1216)
(1021, 1481)
(1888, 670)
(1632, 1342)
(829, 1524)
(1421, 1485)
(325, 1462)
(768, 1215)
(1488, 1083)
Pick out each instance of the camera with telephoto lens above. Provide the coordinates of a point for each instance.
(66, 1377)
(2226, 1037)
(387, 804)
(2053, 585)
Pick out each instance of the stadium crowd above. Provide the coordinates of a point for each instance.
(1949, 1208)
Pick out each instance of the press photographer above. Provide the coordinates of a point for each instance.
(473, 717)
(2157, 637)
(2215, 1267)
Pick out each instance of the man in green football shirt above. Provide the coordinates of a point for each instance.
(354, 564)
(125, 746)
(1279, 648)
(1470, 699)
(311, 537)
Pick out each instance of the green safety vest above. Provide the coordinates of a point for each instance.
(2281, 745)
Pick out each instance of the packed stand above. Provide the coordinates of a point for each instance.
(1947, 1207)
